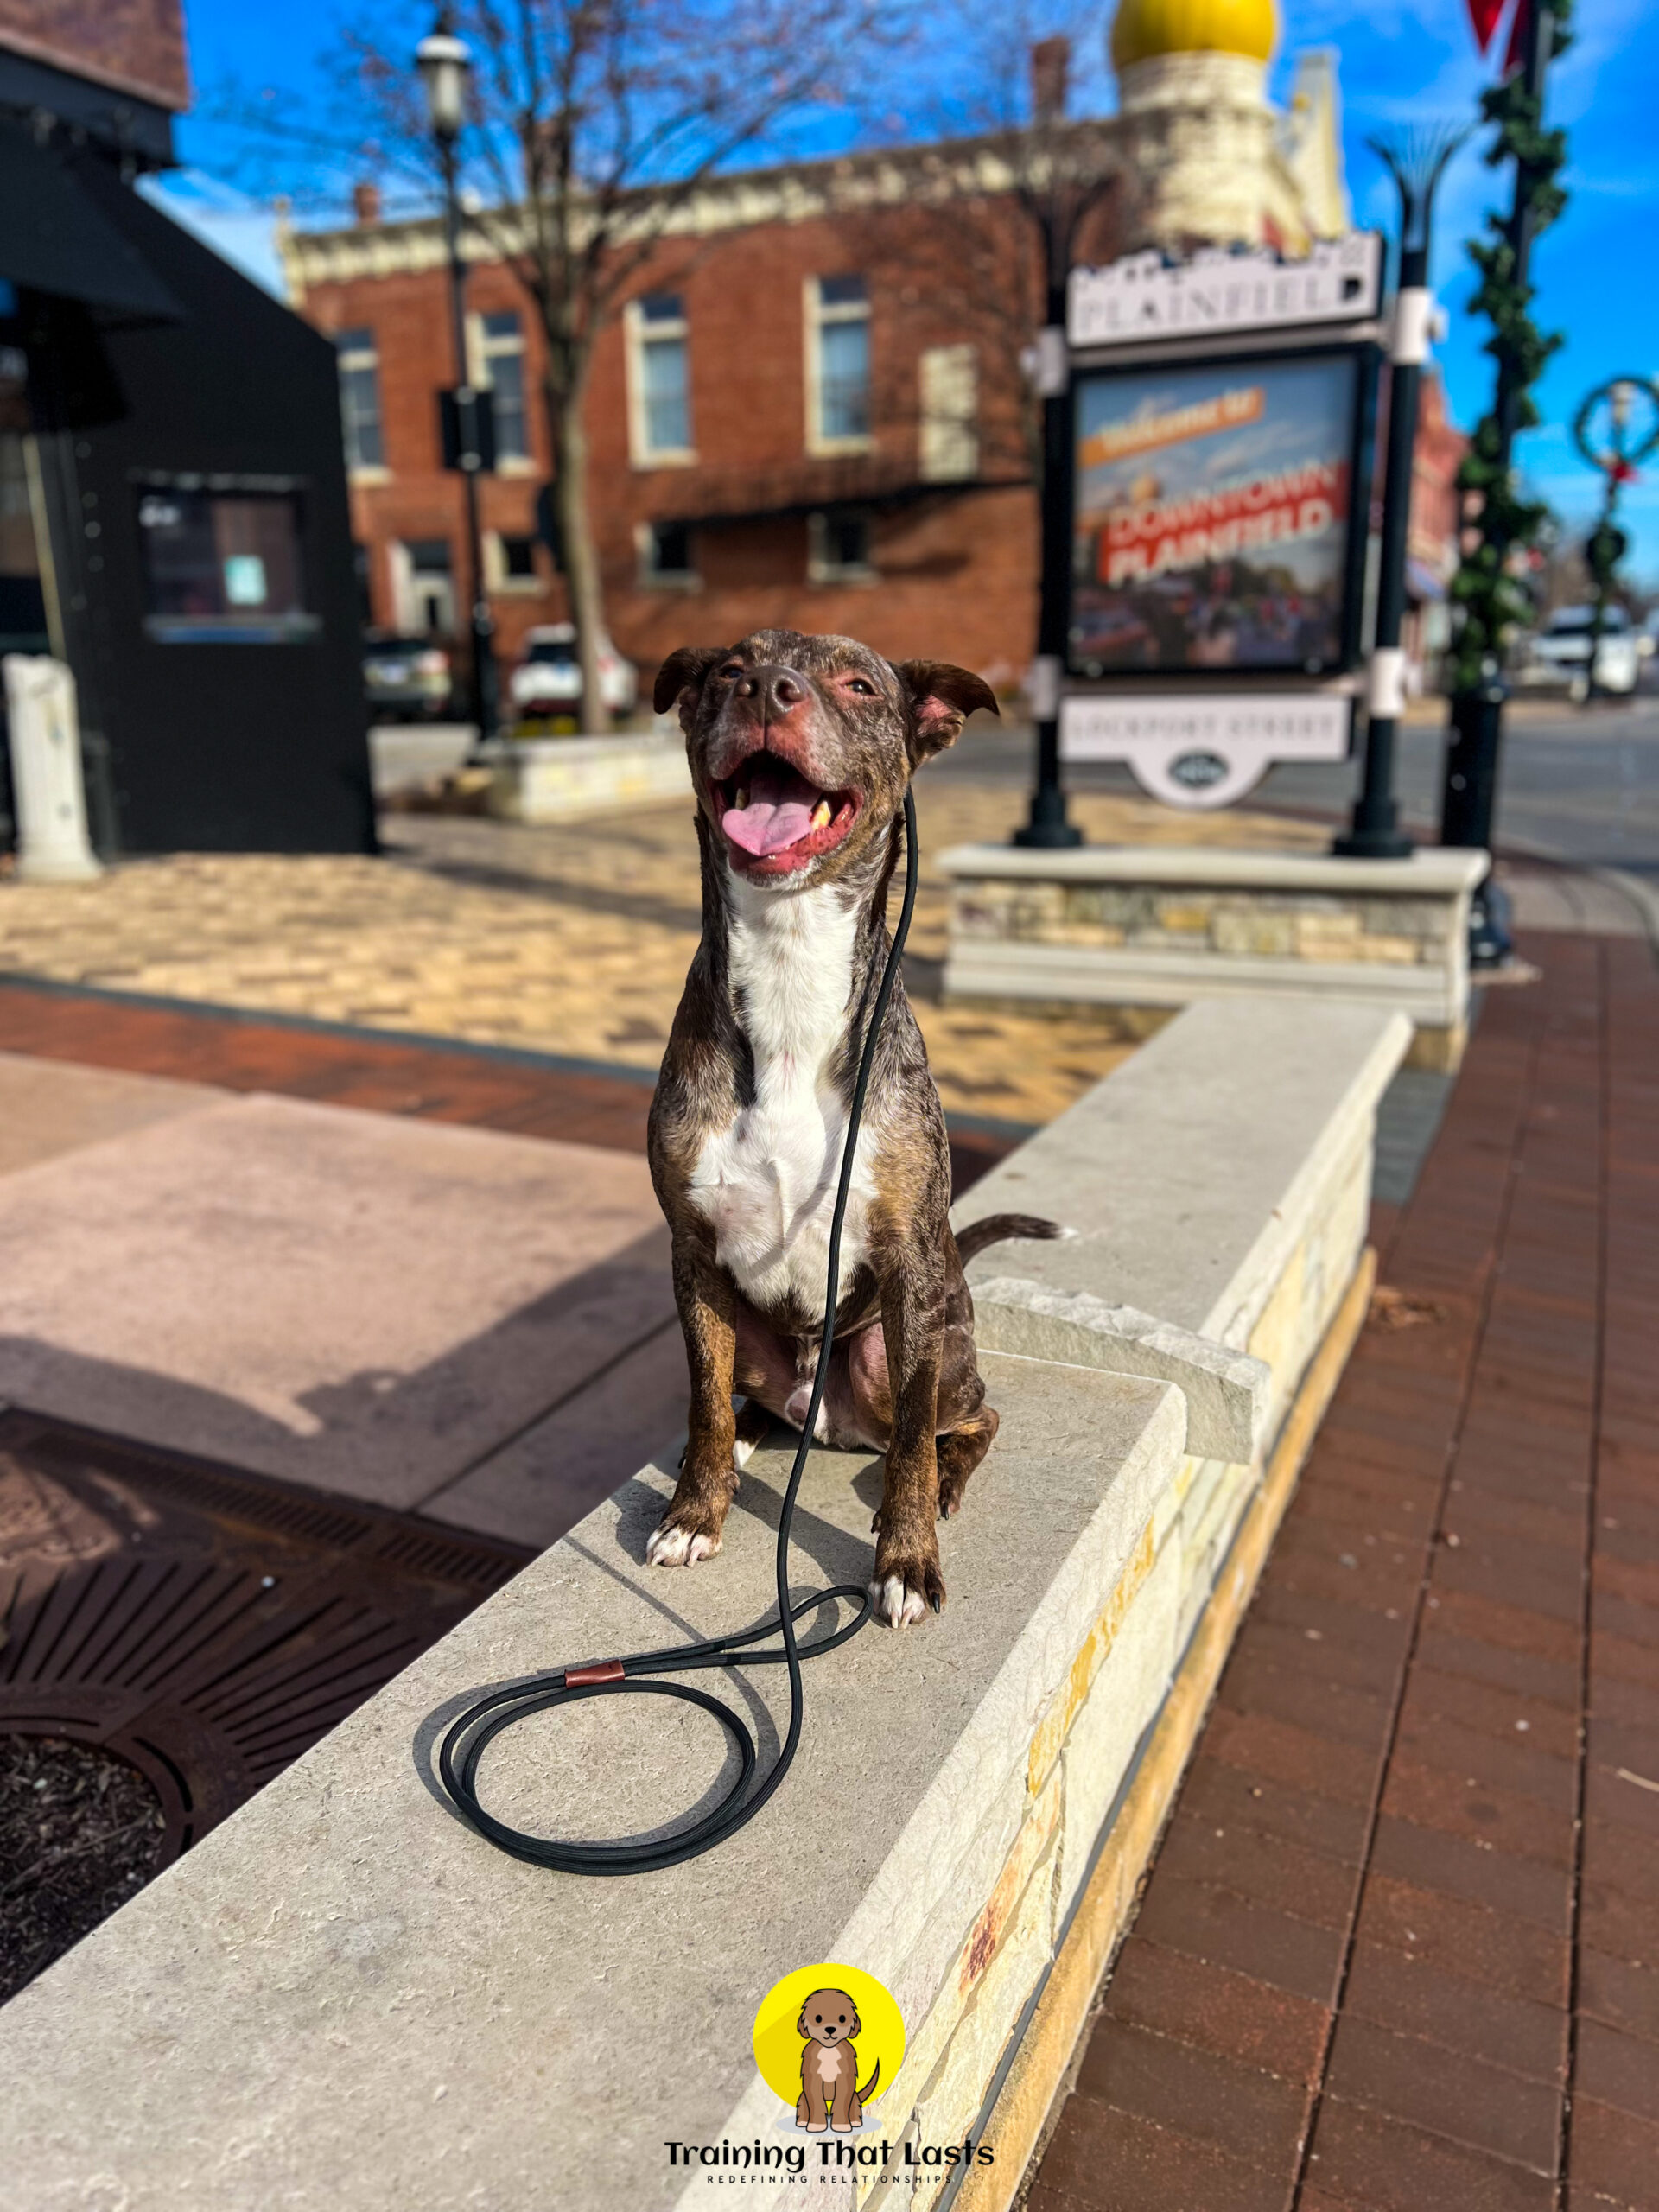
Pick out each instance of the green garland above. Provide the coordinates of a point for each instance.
(1490, 601)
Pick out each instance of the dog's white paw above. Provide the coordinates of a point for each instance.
(670, 1545)
(743, 1450)
(892, 1601)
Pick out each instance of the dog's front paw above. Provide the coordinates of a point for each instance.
(905, 1587)
(673, 1543)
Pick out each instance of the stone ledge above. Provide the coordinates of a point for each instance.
(344, 1996)
(1225, 1391)
(1017, 968)
(1433, 871)
(564, 779)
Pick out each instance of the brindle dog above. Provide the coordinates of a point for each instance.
(801, 749)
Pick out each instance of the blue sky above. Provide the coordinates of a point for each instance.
(1400, 61)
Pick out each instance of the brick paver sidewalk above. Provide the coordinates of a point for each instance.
(1400, 1949)
(571, 939)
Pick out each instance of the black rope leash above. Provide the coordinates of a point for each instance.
(467, 1740)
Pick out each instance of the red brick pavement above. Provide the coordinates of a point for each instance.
(527, 1094)
(1400, 1947)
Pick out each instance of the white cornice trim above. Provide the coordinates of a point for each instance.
(792, 195)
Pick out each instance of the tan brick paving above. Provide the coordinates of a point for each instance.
(572, 939)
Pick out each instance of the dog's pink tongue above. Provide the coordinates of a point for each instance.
(764, 827)
(774, 817)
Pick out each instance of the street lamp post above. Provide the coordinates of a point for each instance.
(445, 65)
(1048, 827)
(1374, 832)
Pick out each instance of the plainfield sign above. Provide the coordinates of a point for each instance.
(1144, 298)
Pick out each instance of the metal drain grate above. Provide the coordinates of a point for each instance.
(208, 1625)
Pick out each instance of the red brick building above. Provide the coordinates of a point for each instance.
(787, 426)
(813, 410)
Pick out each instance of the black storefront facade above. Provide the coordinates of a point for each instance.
(174, 521)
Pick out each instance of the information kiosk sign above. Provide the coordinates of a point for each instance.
(1220, 496)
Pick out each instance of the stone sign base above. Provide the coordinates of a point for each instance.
(1160, 926)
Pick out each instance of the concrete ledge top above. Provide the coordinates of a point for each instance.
(342, 1997)
(1184, 1173)
(1432, 871)
(635, 745)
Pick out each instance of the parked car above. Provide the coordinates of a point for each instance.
(407, 679)
(547, 681)
(1560, 654)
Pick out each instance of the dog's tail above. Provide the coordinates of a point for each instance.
(996, 1227)
(871, 2083)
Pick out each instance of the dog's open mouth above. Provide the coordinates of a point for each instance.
(777, 819)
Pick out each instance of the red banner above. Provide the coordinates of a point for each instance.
(1485, 15)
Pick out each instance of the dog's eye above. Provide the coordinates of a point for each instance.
(862, 685)
(732, 668)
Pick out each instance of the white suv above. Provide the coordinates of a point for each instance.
(549, 678)
(1560, 652)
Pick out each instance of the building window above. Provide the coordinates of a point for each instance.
(838, 364)
(659, 379)
(359, 398)
(501, 350)
(838, 548)
(949, 396)
(511, 563)
(424, 586)
(665, 556)
(222, 567)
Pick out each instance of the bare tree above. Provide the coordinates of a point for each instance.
(596, 123)
(1007, 197)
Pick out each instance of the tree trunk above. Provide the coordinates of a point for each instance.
(580, 556)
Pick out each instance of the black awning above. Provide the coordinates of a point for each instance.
(54, 239)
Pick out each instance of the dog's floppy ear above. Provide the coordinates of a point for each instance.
(941, 699)
(684, 671)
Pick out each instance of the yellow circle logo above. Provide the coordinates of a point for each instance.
(828, 2040)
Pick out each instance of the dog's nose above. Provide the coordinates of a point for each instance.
(775, 689)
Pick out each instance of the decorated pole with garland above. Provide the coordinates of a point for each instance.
(1488, 601)
(1615, 450)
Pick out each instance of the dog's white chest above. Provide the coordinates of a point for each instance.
(766, 1184)
(831, 2063)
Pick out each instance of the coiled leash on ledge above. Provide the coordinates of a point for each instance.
(466, 1742)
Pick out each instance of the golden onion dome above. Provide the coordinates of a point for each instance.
(1144, 29)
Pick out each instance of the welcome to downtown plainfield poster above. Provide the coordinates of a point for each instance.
(1212, 516)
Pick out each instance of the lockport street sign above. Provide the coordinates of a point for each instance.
(1206, 751)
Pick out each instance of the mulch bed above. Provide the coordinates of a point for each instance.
(80, 1831)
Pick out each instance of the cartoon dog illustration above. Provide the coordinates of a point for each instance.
(830, 2095)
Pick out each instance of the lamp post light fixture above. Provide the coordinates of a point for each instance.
(445, 64)
(1416, 169)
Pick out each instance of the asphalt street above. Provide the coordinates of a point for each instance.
(1580, 786)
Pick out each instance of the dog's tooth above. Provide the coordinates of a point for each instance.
(821, 814)
(740, 798)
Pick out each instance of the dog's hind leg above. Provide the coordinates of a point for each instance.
(753, 1427)
(961, 1451)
